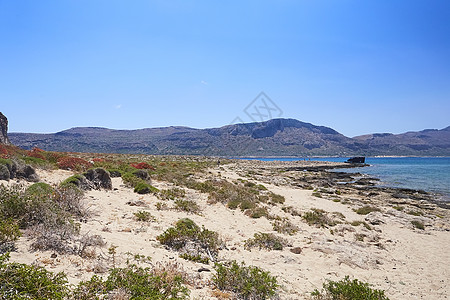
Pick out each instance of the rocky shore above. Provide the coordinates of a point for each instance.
(332, 225)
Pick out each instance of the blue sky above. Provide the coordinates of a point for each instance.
(356, 66)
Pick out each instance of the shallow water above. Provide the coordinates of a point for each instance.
(431, 174)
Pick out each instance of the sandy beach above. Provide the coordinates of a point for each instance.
(390, 253)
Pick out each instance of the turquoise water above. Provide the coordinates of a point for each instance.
(431, 174)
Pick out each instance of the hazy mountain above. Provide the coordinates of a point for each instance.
(277, 137)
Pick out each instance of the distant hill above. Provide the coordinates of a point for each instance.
(277, 137)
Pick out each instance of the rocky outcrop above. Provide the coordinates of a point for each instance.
(4, 130)
(99, 178)
(10, 169)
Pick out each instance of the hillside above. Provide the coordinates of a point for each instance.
(277, 137)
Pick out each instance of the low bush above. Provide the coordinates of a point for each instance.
(144, 188)
(246, 282)
(267, 241)
(21, 281)
(366, 210)
(9, 233)
(418, 225)
(189, 206)
(347, 289)
(284, 226)
(318, 218)
(171, 194)
(73, 163)
(133, 282)
(142, 166)
(143, 216)
(187, 237)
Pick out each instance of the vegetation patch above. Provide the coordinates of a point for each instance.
(245, 282)
(188, 238)
(189, 206)
(347, 289)
(366, 210)
(143, 216)
(284, 226)
(21, 281)
(319, 218)
(418, 225)
(267, 241)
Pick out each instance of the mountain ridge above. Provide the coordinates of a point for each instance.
(276, 137)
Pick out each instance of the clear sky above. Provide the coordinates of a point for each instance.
(356, 66)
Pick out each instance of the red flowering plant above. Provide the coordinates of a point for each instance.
(36, 153)
(143, 165)
(73, 163)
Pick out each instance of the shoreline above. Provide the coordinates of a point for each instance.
(381, 247)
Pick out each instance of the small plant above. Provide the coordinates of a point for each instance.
(171, 194)
(418, 225)
(318, 218)
(161, 206)
(276, 199)
(143, 216)
(133, 282)
(357, 223)
(399, 208)
(144, 188)
(347, 289)
(9, 233)
(415, 213)
(267, 241)
(189, 206)
(366, 210)
(246, 282)
(187, 237)
(21, 281)
(257, 212)
(284, 226)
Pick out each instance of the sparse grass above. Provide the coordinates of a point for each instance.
(366, 210)
(257, 212)
(399, 208)
(267, 241)
(284, 226)
(290, 210)
(246, 282)
(418, 225)
(347, 289)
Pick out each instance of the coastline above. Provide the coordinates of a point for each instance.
(381, 247)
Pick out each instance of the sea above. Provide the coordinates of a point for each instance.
(431, 174)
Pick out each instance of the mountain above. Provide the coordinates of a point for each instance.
(277, 137)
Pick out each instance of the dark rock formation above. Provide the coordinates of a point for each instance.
(356, 160)
(4, 130)
(99, 178)
(10, 169)
(142, 174)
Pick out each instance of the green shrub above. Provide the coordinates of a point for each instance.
(347, 289)
(74, 180)
(267, 241)
(21, 281)
(284, 226)
(134, 282)
(318, 218)
(187, 206)
(245, 282)
(418, 225)
(366, 210)
(171, 194)
(144, 188)
(9, 233)
(40, 189)
(143, 216)
(257, 212)
(276, 199)
(357, 223)
(201, 241)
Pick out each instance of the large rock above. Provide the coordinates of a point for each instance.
(4, 130)
(10, 169)
(99, 178)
